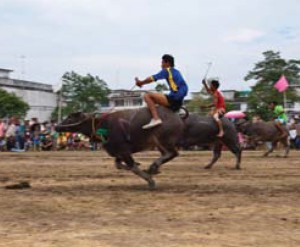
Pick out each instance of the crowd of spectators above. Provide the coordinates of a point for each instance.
(18, 136)
(294, 128)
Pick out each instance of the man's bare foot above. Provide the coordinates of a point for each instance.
(221, 134)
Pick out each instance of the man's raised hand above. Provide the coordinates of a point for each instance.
(138, 82)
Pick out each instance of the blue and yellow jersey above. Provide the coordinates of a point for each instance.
(177, 85)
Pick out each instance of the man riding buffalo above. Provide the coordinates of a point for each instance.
(177, 85)
(218, 104)
(280, 117)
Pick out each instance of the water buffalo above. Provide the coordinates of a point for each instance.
(264, 132)
(121, 134)
(202, 130)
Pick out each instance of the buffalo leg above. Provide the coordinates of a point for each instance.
(168, 152)
(271, 149)
(217, 150)
(237, 151)
(137, 171)
(121, 165)
(166, 156)
(286, 143)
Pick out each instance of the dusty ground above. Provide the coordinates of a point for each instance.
(80, 199)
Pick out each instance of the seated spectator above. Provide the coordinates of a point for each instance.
(46, 143)
(61, 141)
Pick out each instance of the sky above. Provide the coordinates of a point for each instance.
(118, 40)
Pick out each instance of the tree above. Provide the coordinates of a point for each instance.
(197, 101)
(12, 105)
(266, 73)
(82, 93)
(231, 107)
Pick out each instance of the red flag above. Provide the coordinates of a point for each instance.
(282, 84)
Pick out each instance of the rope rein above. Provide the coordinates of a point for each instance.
(101, 133)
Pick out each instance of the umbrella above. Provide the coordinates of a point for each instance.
(235, 114)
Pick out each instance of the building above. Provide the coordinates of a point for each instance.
(293, 108)
(237, 99)
(40, 97)
(125, 99)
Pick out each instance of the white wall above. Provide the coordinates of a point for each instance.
(244, 106)
(228, 95)
(297, 106)
(4, 74)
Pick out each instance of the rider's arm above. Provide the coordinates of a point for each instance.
(163, 74)
(143, 82)
(206, 87)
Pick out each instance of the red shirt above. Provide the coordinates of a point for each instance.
(220, 103)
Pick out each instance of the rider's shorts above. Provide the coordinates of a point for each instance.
(218, 113)
(174, 105)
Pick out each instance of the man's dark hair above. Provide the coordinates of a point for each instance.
(274, 102)
(168, 59)
(215, 83)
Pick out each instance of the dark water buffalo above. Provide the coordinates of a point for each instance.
(122, 135)
(264, 132)
(202, 130)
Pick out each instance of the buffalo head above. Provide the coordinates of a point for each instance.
(242, 126)
(72, 123)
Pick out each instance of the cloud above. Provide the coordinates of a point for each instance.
(289, 33)
(119, 40)
(245, 36)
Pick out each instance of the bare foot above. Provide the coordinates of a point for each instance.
(220, 134)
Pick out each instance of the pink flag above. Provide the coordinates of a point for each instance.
(282, 84)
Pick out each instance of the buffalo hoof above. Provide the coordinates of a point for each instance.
(152, 185)
(120, 166)
(208, 167)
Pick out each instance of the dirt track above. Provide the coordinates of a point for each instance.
(80, 199)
